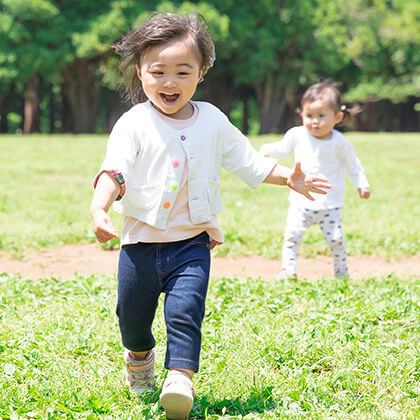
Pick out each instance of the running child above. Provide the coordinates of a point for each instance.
(162, 169)
(324, 152)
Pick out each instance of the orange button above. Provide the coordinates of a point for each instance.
(167, 205)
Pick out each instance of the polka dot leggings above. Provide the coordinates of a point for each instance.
(298, 220)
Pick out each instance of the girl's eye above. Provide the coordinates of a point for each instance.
(157, 72)
(183, 73)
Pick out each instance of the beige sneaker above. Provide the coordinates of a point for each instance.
(177, 395)
(140, 373)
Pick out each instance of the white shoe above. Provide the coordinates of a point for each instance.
(177, 395)
(283, 275)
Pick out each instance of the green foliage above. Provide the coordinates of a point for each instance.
(271, 350)
(384, 43)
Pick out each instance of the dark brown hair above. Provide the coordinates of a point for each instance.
(329, 90)
(158, 29)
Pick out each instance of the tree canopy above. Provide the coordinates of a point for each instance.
(58, 70)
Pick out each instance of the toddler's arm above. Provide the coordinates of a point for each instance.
(106, 191)
(280, 149)
(297, 180)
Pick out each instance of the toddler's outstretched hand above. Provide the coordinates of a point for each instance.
(102, 226)
(304, 184)
(364, 193)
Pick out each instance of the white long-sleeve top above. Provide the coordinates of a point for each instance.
(328, 158)
(144, 150)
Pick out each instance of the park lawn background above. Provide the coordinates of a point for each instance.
(46, 192)
(336, 349)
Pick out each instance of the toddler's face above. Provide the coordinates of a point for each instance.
(320, 118)
(169, 74)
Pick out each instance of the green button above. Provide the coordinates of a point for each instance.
(173, 185)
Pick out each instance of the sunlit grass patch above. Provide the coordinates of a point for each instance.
(294, 349)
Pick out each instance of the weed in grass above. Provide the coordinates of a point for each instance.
(293, 349)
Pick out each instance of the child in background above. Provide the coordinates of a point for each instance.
(162, 169)
(323, 152)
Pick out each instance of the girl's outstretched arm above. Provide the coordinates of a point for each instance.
(297, 180)
(106, 191)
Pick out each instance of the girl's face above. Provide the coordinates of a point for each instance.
(319, 118)
(169, 74)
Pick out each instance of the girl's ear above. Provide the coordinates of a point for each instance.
(138, 71)
(339, 117)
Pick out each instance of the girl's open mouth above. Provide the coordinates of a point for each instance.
(169, 99)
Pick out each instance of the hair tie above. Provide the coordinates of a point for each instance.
(343, 107)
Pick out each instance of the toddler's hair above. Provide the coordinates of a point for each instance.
(329, 90)
(158, 29)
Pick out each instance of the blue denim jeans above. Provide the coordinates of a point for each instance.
(180, 270)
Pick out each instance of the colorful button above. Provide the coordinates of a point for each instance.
(175, 163)
(173, 185)
(183, 138)
(167, 205)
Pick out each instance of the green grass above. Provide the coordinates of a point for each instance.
(290, 350)
(332, 349)
(46, 192)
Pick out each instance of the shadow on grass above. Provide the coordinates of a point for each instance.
(258, 402)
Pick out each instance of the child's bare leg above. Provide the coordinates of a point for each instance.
(140, 355)
(187, 371)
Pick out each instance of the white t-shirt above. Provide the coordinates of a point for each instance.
(328, 158)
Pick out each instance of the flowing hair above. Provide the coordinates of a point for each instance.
(160, 28)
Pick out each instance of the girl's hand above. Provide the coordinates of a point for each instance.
(364, 193)
(304, 184)
(102, 226)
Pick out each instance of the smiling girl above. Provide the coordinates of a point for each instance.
(162, 169)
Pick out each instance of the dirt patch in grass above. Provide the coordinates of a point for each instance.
(87, 259)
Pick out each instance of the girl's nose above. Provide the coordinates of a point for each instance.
(169, 81)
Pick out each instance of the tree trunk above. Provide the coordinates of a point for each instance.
(4, 126)
(51, 108)
(115, 107)
(245, 116)
(66, 117)
(367, 120)
(81, 90)
(408, 116)
(273, 99)
(5, 101)
(31, 107)
(219, 90)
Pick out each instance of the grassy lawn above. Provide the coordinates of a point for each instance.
(291, 350)
(331, 349)
(46, 193)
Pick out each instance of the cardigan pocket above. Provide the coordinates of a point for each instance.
(144, 197)
(214, 197)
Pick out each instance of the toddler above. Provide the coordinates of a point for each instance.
(325, 152)
(162, 169)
